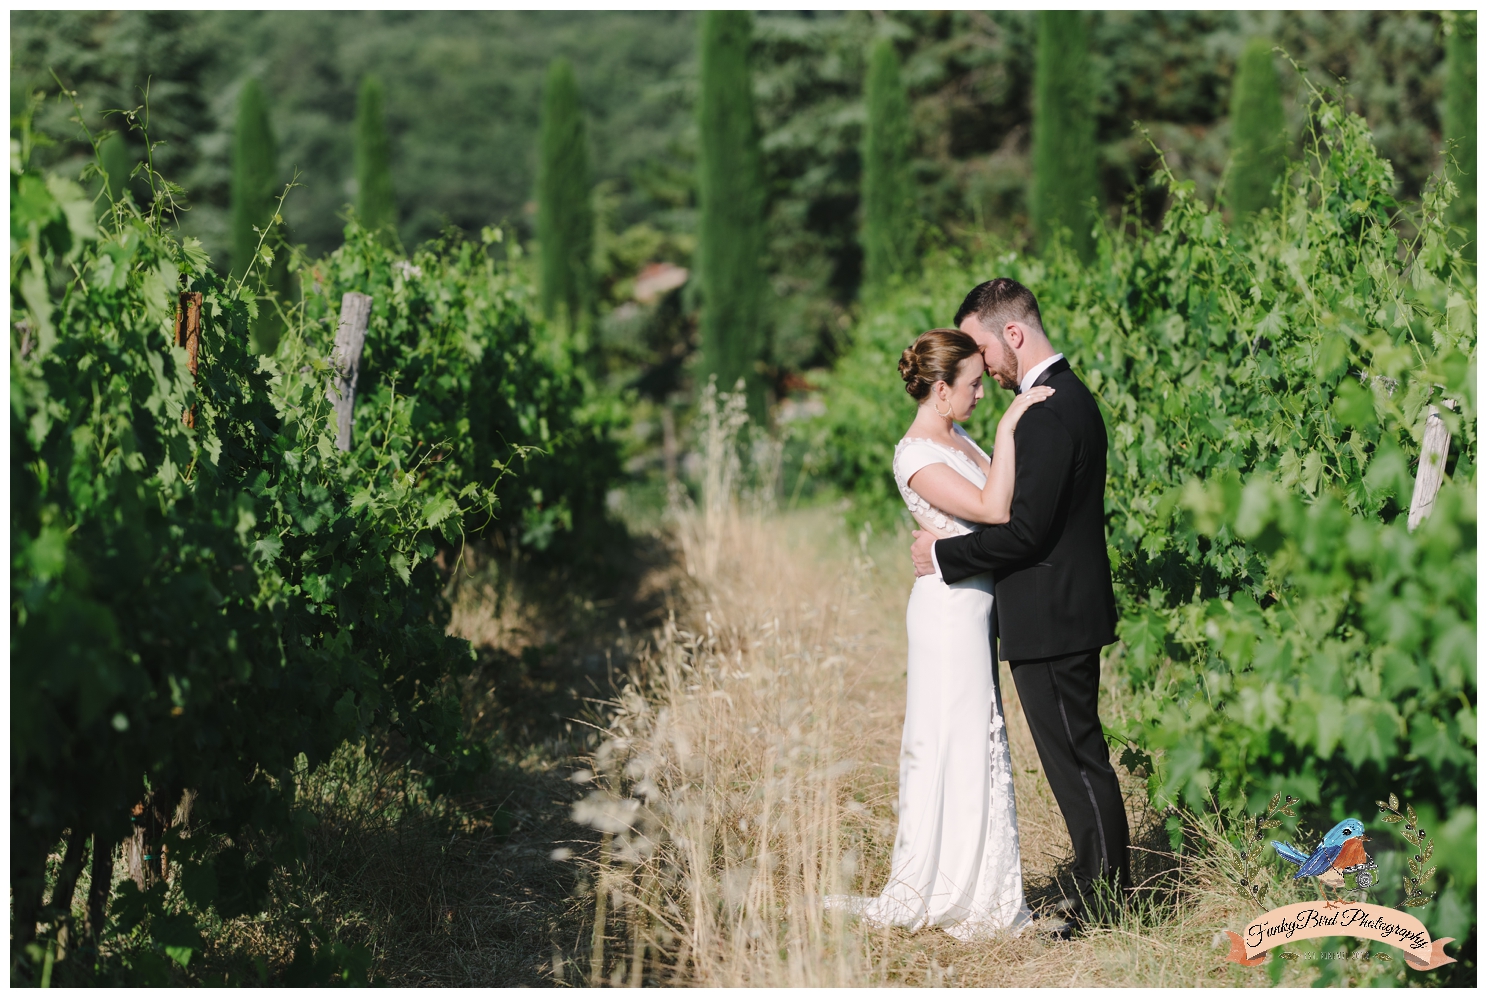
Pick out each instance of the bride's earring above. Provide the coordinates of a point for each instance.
(948, 410)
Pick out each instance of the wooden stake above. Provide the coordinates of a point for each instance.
(136, 847)
(1433, 451)
(351, 336)
(100, 885)
(67, 877)
(188, 335)
(143, 851)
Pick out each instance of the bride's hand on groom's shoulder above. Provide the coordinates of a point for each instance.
(924, 542)
(1020, 405)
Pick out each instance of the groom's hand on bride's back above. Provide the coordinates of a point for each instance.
(924, 543)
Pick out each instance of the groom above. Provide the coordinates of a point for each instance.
(1055, 607)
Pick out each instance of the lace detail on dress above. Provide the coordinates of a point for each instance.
(915, 453)
(1001, 864)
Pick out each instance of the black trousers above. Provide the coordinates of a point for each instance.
(1060, 697)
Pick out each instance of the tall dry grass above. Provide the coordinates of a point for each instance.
(749, 767)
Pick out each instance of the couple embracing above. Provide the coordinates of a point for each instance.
(1012, 550)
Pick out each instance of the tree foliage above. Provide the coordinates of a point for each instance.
(731, 204)
(471, 150)
(565, 211)
(1459, 124)
(1281, 628)
(255, 175)
(113, 158)
(376, 207)
(888, 223)
(1064, 167)
(1258, 128)
(255, 200)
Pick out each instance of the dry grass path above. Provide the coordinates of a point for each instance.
(752, 767)
(725, 732)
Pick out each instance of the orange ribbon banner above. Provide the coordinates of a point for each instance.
(1313, 920)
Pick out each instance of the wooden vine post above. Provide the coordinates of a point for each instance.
(144, 856)
(351, 336)
(66, 886)
(1433, 450)
(188, 336)
(144, 852)
(100, 885)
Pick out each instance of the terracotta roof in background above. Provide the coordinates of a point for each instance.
(655, 279)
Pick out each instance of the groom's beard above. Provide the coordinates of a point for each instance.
(997, 367)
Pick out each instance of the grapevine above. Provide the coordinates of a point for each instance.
(203, 608)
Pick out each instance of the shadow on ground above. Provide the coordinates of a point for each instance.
(465, 891)
(1155, 868)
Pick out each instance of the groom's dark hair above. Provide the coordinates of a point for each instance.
(998, 302)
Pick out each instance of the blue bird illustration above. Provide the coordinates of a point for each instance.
(1341, 852)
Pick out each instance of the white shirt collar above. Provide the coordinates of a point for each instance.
(1037, 369)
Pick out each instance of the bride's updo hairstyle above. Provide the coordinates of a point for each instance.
(935, 356)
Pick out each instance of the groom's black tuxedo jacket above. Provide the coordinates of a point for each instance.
(1053, 592)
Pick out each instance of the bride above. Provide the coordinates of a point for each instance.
(956, 862)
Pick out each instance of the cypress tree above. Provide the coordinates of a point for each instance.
(375, 205)
(114, 154)
(1460, 121)
(565, 213)
(1064, 166)
(1258, 132)
(888, 227)
(730, 181)
(255, 172)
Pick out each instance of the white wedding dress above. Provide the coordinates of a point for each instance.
(956, 861)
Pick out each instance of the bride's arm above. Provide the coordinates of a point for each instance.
(948, 490)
